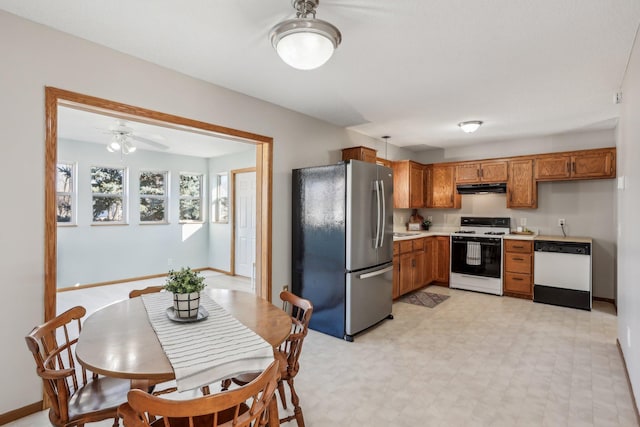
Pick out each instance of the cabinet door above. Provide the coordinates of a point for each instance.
(494, 171)
(407, 262)
(442, 259)
(468, 173)
(416, 185)
(429, 260)
(521, 187)
(552, 168)
(365, 154)
(443, 189)
(593, 165)
(419, 269)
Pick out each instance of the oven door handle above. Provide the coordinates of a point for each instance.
(475, 277)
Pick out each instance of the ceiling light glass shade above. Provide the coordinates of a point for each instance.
(113, 146)
(471, 126)
(305, 43)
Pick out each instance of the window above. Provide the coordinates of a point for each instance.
(220, 207)
(190, 197)
(66, 193)
(153, 197)
(108, 191)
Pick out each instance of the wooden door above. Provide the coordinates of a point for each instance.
(553, 168)
(416, 185)
(521, 187)
(468, 173)
(494, 171)
(592, 165)
(443, 191)
(442, 259)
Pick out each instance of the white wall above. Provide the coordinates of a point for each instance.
(588, 206)
(33, 57)
(628, 230)
(98, 253)
(220, 233)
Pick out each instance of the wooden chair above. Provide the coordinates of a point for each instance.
(148, 290)
(288, 353)
(76, 395)
(228, 408)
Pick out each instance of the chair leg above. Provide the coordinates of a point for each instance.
(297, 410)
(283, 397)
(116, 421)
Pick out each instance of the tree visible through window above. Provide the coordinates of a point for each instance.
(153, 196)
(65, 192)
(108, 190)
(221, 199)
(190, 197)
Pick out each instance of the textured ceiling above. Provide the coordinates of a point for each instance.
(411, 69)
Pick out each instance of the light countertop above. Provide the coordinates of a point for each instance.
(566, 239)
(408, 235)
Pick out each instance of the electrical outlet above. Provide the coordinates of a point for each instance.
(523, 221)
(561, 222)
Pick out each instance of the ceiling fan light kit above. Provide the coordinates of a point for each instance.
(305, 42)
(470, 126)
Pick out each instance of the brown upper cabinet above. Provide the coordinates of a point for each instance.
(522, 189)
(475, 172)
(441, 187)
(587, 164)
(408, 184)
(365, 154)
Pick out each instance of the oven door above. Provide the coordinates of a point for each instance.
(476, 256)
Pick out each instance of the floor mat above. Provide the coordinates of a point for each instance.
(425, 299)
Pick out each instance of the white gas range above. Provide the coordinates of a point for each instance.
(476, 254)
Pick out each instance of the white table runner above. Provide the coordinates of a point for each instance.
(207, 351)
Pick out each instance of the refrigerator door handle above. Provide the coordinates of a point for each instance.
(376, 273)
(384, 214)
(377, 185)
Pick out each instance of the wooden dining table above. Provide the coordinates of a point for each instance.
(118, 340)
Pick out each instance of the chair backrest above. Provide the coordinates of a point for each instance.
(300, 310)
(239, 407)
(53, 347)
(148, 290)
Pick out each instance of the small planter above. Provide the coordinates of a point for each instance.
(186, 306)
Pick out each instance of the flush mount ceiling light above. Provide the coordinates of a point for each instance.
(305, 42)
(471, 126)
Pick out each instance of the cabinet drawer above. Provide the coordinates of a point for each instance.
(520, 246)
(518, 283)
(418, 244)
(517, 263)
(406, 246)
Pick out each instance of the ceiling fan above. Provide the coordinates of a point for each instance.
(122, 137)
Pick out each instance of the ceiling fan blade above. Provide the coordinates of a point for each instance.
(150, 142)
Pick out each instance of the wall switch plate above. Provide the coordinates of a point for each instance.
(523, 221)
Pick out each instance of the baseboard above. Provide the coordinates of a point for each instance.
(16, 414)
(131, 279)
(626, 373)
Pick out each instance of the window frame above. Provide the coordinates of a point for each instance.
(124, 196)
(165, 198)
(200, 197)
(217, 205)
(73, 194)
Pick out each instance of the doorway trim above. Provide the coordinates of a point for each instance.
(264, 178)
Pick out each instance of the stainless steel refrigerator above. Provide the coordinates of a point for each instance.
(342, 248)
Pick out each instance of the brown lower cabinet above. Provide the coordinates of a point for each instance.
(419, 262)
(518, 268)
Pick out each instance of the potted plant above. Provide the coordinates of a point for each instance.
(185, 284)
(426, 224)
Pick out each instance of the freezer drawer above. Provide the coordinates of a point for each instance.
(369, 298)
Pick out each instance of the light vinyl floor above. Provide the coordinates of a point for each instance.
(473, 360)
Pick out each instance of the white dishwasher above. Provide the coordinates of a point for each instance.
(562, 273)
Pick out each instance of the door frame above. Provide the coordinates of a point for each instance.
(264, 178)
(234, 172)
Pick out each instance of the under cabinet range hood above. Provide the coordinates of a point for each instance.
(500, 187)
